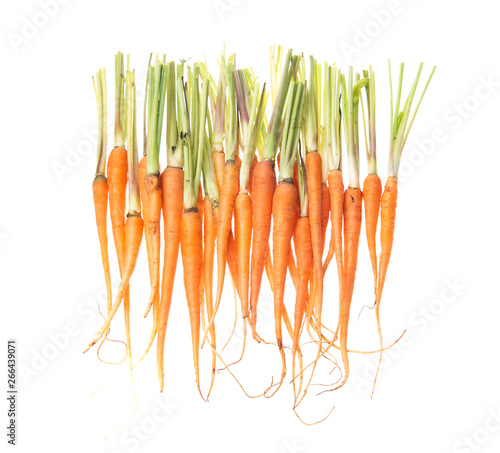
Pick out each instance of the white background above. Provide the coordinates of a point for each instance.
(438, 386)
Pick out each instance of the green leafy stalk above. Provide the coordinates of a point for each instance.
(256, 120)
(399, 124)
(303, 195)
(174, 153)
(220, 105)
(371, 148)
(290, 67)
(232, 112)
(293, 120)
(101, 95)
(209, 177)
(158, 83)
(134, 196)
(350, 96)
(120, 117)
(311, 117)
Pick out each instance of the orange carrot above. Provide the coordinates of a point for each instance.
(284, 215)
(264, 185)
(243, 233)
(313, 174)
(353, 201)
(172, 187)
(372, 191)
(100, 194)
(191, 251)
(325, 214)
(100, 183)
(209, 235)
(228, 194)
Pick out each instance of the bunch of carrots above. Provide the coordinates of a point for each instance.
(248, 194)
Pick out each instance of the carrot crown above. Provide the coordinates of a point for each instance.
(192, 132)
(293, 120)
(399, 119)
(350, 103)
(132, 157)
(120, 106)
(102, 115)
(157, 76)
(209, 177)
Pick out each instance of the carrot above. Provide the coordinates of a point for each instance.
(303, 250)
(191, 251)
(157, 76)
(399, 129)
(100, 183)
(172, 187)
(284, 208)
(209, 235)
(325, 215)
(285, 202)
(172, 184)
(353, 205)
(191, 225)
(117, 182)
(229, 188)
(251, 120)
(264, 185)
(263, 189)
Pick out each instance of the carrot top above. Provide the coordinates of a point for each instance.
(399, 119)
(350, 103)
(290, 68)
(192, 133)
(292, 126)
(120, 106)
(232, 112)
(371, 141)
(102, 114)
(303, 196)
(157, 76)
(251, 106)
(332, 138)
(175, 156)
(311, 110)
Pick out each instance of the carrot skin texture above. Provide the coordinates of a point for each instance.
(209, 237)
(219, 161)
(387, 226)
(313, 174)
(134, 227)
(191, 251)
(263, 189)
(152, 223)
(226, 208)
(117, 171)
(172, 183)
(372, 192)
(284, 215)
(353, 206)
(117, 183)
(303, 250)
(325, 214)
(100, 194)
(243, 236)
